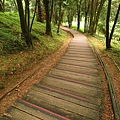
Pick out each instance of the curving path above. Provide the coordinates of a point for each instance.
(70, 91)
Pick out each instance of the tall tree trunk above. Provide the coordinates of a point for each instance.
(55, 13)
(70, 19)
(39, 12)
(2, 7)
(24, 27)
(97, 12)
(112, 31)
(48, 23)
(56, 18)
(87, 6)
(59, 22)
(78, 14)
(91, 18)
(96, 7)
(33, 16)
(108, 46)
(51, 13)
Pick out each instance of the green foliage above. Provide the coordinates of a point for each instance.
(102, 20)
(10, 6)
(38, 30)
(12, 42)
(114, 52)
(9, 34)
(101, 27)
(75, 28)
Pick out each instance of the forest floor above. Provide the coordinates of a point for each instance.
(35, 71)
(114, 72)
(23, 78)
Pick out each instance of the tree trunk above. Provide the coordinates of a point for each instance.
(2, 7)
(91, 18)
(33, 16)
(70, 18)
(108, 46)
(111, 34)
(48, 23)
(78, 14)
(98, 14)
(56, 18)
(86, 16)
(59, 22)
(24, 27)
(51, 13)
(39, 12)
(55, 13)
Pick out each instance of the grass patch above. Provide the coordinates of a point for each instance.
(14, 56)
(75, 28)
(114, 52)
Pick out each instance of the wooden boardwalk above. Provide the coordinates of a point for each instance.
(70, 91)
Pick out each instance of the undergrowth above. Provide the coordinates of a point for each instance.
(114, 52)
(14, 56)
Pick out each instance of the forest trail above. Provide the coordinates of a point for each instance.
(71, 90)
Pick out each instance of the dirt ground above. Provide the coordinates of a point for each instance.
(115, 75)
(37, 71)
(29, 76)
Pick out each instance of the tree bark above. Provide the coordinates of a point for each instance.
(112, 31)
(108, 46)
(87, 6)
(59, 22)
(24, 27)
(48, 23)
(39, 12)
(51, 13)
(78, 14)
(55, 13)
(98, 14)
(2, 7)
(33, 16)
(91, 18)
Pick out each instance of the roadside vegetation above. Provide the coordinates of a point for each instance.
(99, 40)
(114, 52)
(14, 55)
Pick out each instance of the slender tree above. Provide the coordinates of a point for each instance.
(100, 6)
(115, 21)
(39, 12)
(55, 12)
(108, 46)
(33, 16)
(60, 11)
(48, 22)
(71, 11)
(91, 17)
(51, 13)
(24, 23)
(2, 7)
(78, 13)
(87, 6)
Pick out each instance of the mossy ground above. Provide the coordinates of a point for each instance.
(14, 56)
